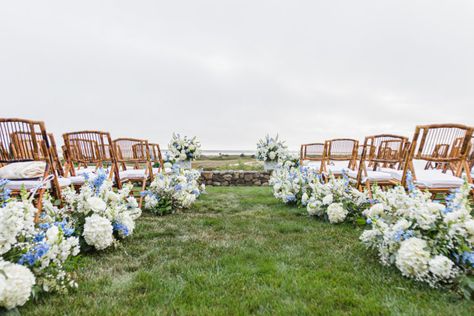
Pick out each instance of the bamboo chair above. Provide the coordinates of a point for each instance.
(381, 155)
(86, 151)
(339, 151)
(156, 158)
(449, 168)
(312, 155)
(133, 158)
(24, 141)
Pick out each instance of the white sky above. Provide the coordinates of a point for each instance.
(231, 71)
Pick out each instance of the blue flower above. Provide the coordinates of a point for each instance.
(368, 221)
(44, 226)
(41, 250)
(28, 258)
(39, 237)
(121, 228)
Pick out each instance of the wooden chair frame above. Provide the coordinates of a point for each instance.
(304, 155)
(340, 149)
(26, 140)
(155, 155)
(426, 142)
(383, 150)
(85, 148)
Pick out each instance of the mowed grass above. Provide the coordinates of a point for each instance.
(238, 251)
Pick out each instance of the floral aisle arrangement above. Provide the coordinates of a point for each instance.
(427, 241)
(101, 216)
(335, 201)
(173, 191)
(270, 150)
(183, 150)
(291, 183)
(34, 258)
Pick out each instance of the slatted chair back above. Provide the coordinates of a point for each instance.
(380, 151)
(312, 152)
(25, 140)
(341, 149)
(155, 155)
(444, 145)
(91, 148)
(134, 152)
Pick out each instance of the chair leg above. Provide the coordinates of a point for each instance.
(141, 197)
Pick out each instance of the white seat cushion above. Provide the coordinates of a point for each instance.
(132, 174)
(395, 174)
(372, 176)
(23, 170)
(31, 184)
(83, 171)
(436, 179)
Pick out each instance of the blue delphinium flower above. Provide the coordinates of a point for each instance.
(411, 186)
(31, 257)
(98, 181)
(119, 227)
(468, 258)
(44, 226)
(39, 237)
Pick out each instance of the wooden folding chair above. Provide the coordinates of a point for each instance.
(86, 151)
(156, 158)
(381, 155)
(312, 155)
(23, 141)
(448, 167)
(133, 158)
(339, 154)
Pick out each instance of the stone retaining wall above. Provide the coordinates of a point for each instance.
(231, 178)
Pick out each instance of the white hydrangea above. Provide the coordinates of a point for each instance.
(442, 268)
(412, 259)
(370, 236)
(336, 213)
(374, 211)
(469, 226)
(16, 218)
(98, 232)
(328, 199)
(16, 283)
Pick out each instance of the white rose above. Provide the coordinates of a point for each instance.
(272, 155)
(96, 204)
(374, 210)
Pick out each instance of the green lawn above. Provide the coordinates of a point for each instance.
(239, 251)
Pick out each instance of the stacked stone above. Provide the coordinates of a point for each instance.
(235, 178)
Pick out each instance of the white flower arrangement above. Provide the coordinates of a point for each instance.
(427, 241)
(173, 191)
(292, 184)
(38, 251)
(184, 148)
(101, 215)
(335, 200)
(271, 149)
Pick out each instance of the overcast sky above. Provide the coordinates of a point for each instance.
(231, 71)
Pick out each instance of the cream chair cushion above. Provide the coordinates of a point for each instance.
(23, 170)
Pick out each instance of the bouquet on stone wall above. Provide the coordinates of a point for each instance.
(184, 148)
(271, 149)
(173, 191)
(336, 200)
(427, 241)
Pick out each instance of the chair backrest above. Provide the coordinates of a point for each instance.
(155, 154)
(23, 140)
(341, 149)
(385, 150)
(86, 148)
(132, 151)
(26, 140)
(313, 152)
(445, 145)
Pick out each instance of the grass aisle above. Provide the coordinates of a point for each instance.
(239, 251)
